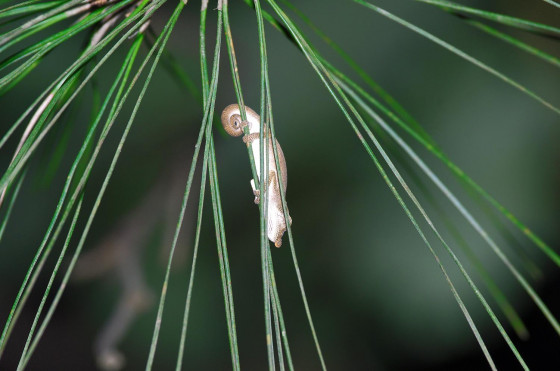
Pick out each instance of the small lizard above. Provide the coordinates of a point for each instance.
(233, 124)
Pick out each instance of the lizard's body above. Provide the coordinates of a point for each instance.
(231, 120)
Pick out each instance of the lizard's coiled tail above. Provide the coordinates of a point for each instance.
(233, 123)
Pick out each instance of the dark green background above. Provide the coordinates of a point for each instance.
(378, 298)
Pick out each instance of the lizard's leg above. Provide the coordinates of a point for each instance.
(257, 192)
(250, 138)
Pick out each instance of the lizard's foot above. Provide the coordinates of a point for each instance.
(257, 194)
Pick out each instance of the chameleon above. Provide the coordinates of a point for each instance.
(234, 125)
